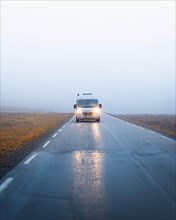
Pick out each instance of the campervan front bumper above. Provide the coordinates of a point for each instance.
(83, 114)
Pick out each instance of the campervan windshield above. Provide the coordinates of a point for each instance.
(87, 103)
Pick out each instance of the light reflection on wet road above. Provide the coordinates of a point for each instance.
(88, 185)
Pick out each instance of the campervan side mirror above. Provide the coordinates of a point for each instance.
(100, 105)
(75, 106)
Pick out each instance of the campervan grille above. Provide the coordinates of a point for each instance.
(87, 113)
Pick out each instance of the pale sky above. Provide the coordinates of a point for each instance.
(122, 51)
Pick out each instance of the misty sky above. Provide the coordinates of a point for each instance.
(124, 52)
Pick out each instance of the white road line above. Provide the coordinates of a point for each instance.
(166, 138)
(31, 158)
(153, 132)
(72, 118)
(60, 130)
(4, 185)
(46, 143)
(55, 135)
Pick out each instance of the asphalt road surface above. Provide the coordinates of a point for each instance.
(110, 170)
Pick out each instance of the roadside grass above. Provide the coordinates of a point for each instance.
(164, 124)
(18, 129)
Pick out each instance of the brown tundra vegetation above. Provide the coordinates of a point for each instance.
(19, 129)
(164, 124)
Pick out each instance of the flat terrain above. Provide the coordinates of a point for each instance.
(112, 170)
(164, 124)
(19, 129)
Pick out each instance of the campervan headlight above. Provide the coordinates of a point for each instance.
(79, 111)
(96, 110)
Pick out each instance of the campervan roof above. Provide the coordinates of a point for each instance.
(86, 95)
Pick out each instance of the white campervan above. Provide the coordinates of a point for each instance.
(87, 107)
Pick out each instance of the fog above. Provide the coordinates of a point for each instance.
(123, 52)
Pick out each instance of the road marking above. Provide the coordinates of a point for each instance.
(4, 185)
(55, 135)
(72, 118)
(153, 132)
(166, 138)
(31, 158)
(60, 130)
(46, 143)
(64, 126)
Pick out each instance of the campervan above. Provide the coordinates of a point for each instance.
(87, 107)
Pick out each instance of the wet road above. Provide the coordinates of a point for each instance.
(107, 170)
